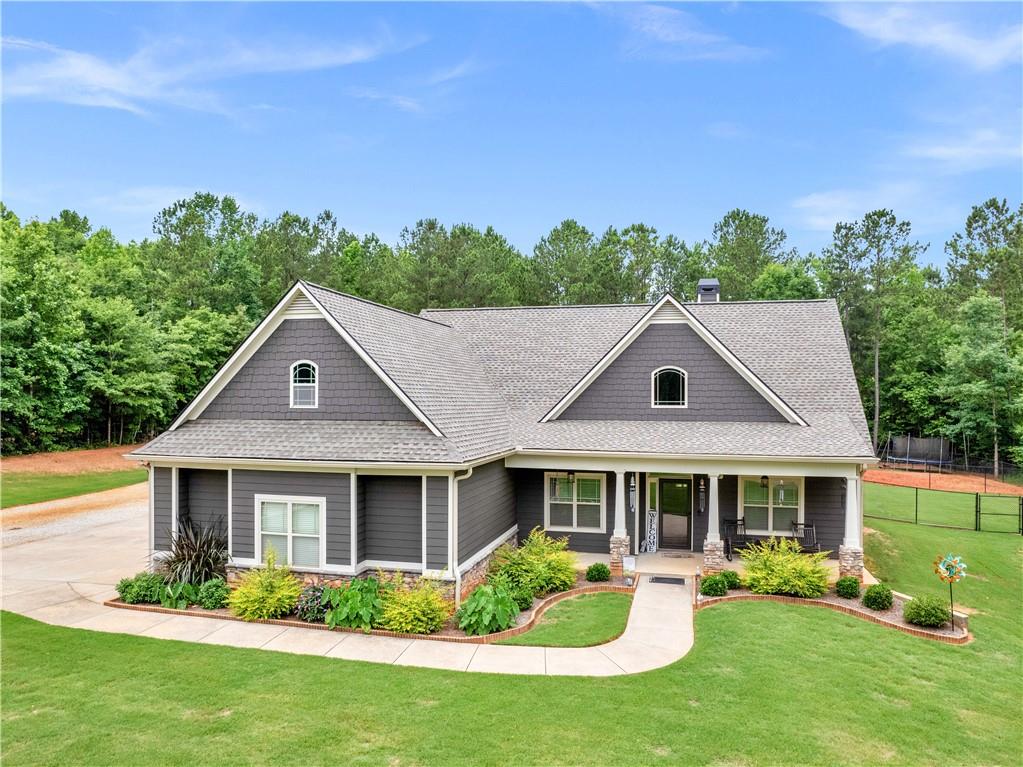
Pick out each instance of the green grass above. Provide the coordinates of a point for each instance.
(32, 488)
(764, 684)
(999, 513)
(583, 621)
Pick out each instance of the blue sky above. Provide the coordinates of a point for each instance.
(516, 115)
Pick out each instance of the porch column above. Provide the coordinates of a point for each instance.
(850, 553)
(713, 548)
(620, 533)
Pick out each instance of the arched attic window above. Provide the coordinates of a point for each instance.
(669, 387)
(304, 384)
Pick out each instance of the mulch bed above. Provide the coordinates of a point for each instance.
(892, 617)
(527, 619)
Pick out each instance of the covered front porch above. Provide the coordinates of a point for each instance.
(675, 516)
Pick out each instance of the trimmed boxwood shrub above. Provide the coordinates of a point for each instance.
(848, 587)
(927, 611)
(143, 588)
(213, 594)
(597, 572)
(731, 579)
(713, 586)
(878, 597)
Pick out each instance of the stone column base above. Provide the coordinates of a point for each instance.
(713, 557)
(619, 549)
(850, 562)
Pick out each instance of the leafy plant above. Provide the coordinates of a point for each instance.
(597, 572)
(197, 555)
(713, 586)
(927, 611)
(731, 579)
(178, 596)
(778, 566)
(418, 610)
(310, 606)
(522, 595)
(269, 592)
(213, 594)
(358, 604)
(540, 563)
(488, 609)
(143, 588)
(848, 587)
(878, 597)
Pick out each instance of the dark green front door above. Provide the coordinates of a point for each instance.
(676, 513)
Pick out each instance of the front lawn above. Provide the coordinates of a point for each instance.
(18, 488)
(765, 683)
(583, 621)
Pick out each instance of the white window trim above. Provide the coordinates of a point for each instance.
(685, 387)
(548, 476)
(316, 384)
(290, 499)
(770, 504)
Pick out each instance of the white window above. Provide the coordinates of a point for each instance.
(292, 527)
(669, 387)
(304, 384)
(769, 505)
(574, 502)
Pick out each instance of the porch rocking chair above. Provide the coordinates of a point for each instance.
(735, 536)
(806, 535)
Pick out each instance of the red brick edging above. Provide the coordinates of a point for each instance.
(538, 612)
(918, 632)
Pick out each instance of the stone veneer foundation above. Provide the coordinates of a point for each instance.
(619, 549)
(850, 562)
(713, 557)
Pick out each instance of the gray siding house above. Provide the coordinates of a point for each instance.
(350, 436)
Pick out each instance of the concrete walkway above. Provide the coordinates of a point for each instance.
(63, 579)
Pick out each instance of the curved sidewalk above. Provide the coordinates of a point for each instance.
(63, 580)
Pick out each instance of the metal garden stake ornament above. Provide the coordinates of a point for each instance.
(951, 569)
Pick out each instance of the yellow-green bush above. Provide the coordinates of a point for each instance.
(418, 610)
(270, 592)
(541, 564)
(778, 566)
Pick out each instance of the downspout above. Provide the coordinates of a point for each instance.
(454, 535)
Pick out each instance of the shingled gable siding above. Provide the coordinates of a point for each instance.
(247, 484)
(163, 512)
(716, 391)
(529, 490)
(393, 518)
(202, 498)
(486, 507)
(348, 389)
(437, 523)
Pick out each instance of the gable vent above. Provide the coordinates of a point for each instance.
(301, 308)
(668, 313)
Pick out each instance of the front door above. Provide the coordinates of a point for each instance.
(676, 512)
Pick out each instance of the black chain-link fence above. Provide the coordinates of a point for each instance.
(987, 512)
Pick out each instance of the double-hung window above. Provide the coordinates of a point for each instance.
(770, 508)
(292, 528)
(574, 502)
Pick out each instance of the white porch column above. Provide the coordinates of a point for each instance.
(620, 530)
(850, 553)
(713, 521)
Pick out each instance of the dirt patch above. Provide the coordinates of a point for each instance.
(33, 514)
(964, 483)
(72, 461)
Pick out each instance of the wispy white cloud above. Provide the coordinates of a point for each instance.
(972, 150)
(661, 32)
(932, 28)
(820, 211)
(169, 72)
(396, 100)
(458, 71)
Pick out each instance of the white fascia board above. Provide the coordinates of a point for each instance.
(259, 336)
(701, 330)
(185, 462)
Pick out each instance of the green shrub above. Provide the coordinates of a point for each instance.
(522, 595)
(731, 579)
(358, 604)
(848, 587)
(178, 596)
(144, 588)
(488, 609)
(213, 594)
(927, 611)
(196, 556)
(310, 606)
(418, 610)
(777, 566)
(269, 592)
(713, 586)
(877, 597)
(541, 564)
(597, 572)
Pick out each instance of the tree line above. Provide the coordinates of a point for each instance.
(104, 341)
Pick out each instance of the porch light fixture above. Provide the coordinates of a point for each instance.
(764, 481)
(781, 490)
(571, 477)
